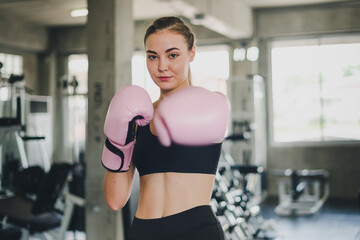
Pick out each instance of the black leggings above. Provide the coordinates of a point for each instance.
(198, 223)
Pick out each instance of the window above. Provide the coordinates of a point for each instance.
(78, 71)
(210, 69)
(315, 90)
(141, 76)
(12, 64)
(76, 112)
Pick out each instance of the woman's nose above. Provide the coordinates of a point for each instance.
(163, 65)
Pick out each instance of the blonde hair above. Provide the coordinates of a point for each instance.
(174, 24)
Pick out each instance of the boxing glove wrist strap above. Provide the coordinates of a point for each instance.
(123, 153)
(115, 150)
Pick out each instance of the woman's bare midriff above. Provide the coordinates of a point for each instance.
(164, 194)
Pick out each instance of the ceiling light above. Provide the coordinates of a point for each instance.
(81, 12)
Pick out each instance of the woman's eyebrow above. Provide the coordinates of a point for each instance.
(168, 50)
(153, 52)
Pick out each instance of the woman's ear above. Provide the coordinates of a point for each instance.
(192, 54)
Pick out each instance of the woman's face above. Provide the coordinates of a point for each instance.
(168, 60)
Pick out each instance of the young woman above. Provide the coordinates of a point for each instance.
(177, 151)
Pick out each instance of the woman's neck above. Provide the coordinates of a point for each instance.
(165, 93)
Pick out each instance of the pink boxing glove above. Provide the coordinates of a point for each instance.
(192, 116)
(131, 105)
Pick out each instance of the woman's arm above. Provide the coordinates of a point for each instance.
(130, 105)
(117, 187)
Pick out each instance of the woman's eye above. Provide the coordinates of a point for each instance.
(151, 57)
(173, 55)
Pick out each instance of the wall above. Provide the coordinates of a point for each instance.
(341, 161)
(69, 39)
(21, 35)
(21, 38)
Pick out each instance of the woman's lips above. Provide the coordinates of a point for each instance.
(164, 79)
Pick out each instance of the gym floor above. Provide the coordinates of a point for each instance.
(336, 220)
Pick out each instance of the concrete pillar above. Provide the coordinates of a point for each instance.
(110, 30)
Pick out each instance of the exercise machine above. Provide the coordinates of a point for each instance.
(41, 215)
(301, 192)
(48, 209)
(11, 121)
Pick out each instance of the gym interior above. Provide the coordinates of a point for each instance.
(290, 163)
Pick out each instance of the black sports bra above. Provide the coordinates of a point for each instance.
(150, 156)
